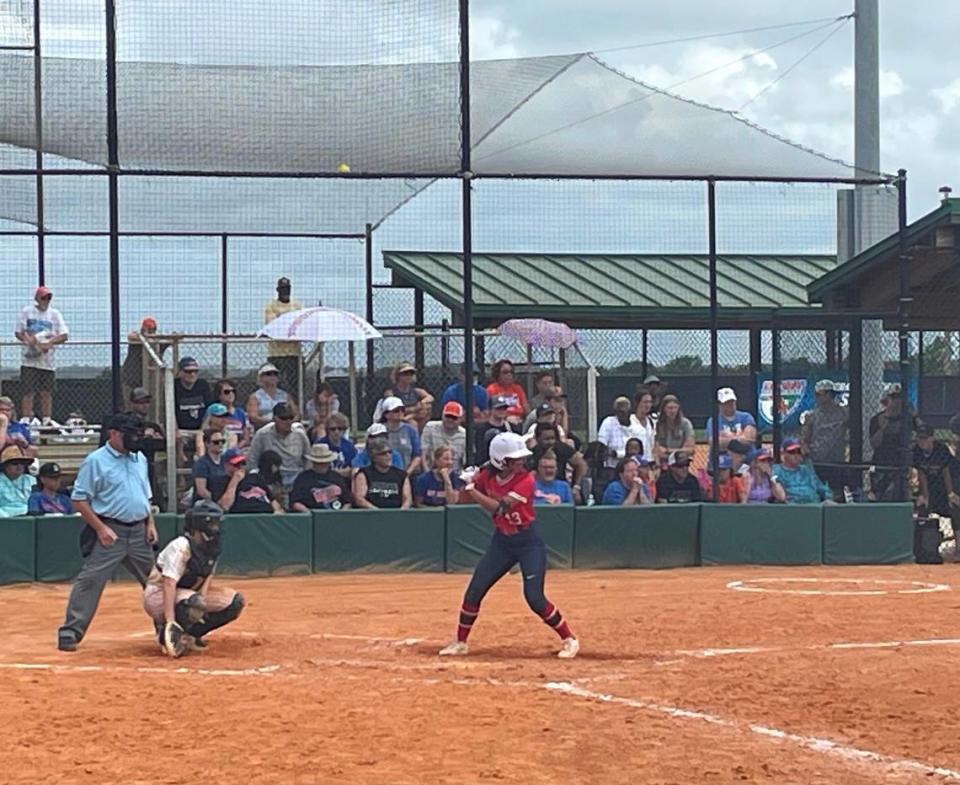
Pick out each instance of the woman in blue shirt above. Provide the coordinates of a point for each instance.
(439, 487)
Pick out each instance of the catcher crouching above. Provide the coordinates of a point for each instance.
(179, 595)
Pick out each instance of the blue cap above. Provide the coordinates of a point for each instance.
(217, 410)
(187, 362)
(642, 460)
(233, 454)
(790, 445)
(724, 462)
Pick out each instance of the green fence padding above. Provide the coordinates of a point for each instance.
(761, 534)
(16, 550)
(403, 540)
(469, 529)
(867, 533)
(656, 535)
(58, 547)
(261, 545)
(169, 526)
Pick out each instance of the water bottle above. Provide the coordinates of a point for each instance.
(586, 490)
(847, 495)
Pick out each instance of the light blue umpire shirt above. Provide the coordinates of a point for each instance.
(115, 485)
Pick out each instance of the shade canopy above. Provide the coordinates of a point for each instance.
(320, 325)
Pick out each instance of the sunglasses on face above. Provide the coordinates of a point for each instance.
(217, 442)
(228, 391)
(191, 370)
(270, 373)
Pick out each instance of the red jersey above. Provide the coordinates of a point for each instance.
(522, 484)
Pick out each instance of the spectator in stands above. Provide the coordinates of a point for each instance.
(634, 447)
(376, 432)
(481, 401)
(545, 385)
(417, 402)
(47, 498)
(253, 492)
(657, 389)
(739, 453)
(210, 466)
(645, 471)
(674, 431)
(261, 402)
(215, 420)
(401, 435)
(505, 385)
(446, 432)
(132, 370)
(617, 429)
(225, 392)
(646, 417)
(549, 488)
(320, 487)
(887, 440)
(629, 488)
(344, 450)
(544, 414)
(40, 328)
(152, 440)
(16, 484)
(283, 355)
(676, 485)
(932, 460)
(324, 403)
(823, 436)
(496, 423)
(558, 403)
(223, 488)
(729, 485)
(192, 396)
(280, 437)
(12, 431)
(759, 487)
(734, 424)
(381, 485)
(548, 438)
(800, 482)
(440, 485)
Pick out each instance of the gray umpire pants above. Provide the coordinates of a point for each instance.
(131, 550)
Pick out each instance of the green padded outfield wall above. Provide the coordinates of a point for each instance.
(261, 545)
(16, 550)
(656, 535)
(867, 533)
(404, 540)
(761, 534)
(469, 530)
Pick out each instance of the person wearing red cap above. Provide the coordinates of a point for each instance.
(40, 328)
(445, 432)
(132, 371)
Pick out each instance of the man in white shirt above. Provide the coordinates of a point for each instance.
(617, 429)
(40, 329)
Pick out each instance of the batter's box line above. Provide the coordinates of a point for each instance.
(52, 667)
(839, 646)
(814, 743)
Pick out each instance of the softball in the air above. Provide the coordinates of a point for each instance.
(343, 168)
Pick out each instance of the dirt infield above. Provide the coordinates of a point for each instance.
(844, 676)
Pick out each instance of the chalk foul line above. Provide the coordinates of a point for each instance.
(843, 645)
(825, 746)
(49, 667)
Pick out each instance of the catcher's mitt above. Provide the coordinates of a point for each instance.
(173, 643)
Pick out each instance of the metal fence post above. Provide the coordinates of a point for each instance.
(714, 338)
(903, 315)
(776, 382)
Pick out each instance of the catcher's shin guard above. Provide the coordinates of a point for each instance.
(190, 611)
(215, 619)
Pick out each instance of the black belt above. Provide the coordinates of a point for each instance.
(117, 522)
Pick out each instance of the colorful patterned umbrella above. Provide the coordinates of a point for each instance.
(539, 332)
(320, 325)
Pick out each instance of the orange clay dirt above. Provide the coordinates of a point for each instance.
(335, 678)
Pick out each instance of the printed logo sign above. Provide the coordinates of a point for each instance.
(792, 396)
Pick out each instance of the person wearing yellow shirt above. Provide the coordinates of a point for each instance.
(285, 355)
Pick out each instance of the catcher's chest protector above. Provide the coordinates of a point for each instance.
(201, 563)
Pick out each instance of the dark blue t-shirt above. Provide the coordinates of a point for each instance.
(430, 487)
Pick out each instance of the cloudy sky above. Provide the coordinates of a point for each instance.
(813, 104)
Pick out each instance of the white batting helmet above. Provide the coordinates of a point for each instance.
(507, 445)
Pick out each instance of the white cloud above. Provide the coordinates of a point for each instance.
(949, 96)
(891, 84)
(492, 39)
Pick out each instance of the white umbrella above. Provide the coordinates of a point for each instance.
(320, 325)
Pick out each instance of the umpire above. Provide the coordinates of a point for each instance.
(112, 494)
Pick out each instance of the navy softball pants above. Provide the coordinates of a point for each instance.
(526, 548)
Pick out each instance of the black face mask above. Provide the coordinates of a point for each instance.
(283, 294)
(132, 441)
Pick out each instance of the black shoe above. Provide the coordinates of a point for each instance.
(67, 641)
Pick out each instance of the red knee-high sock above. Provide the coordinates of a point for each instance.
(468, 615)
(554, 619)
